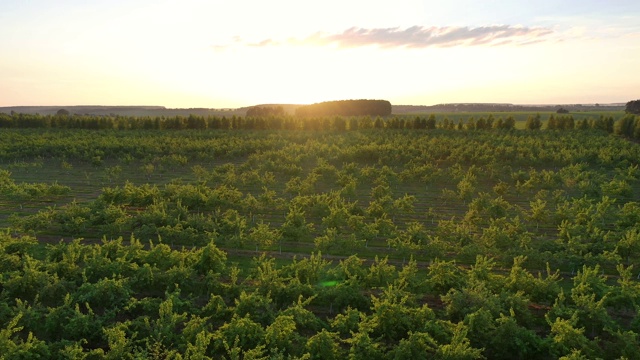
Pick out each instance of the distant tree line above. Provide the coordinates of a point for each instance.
(347, 108)
(628, 125)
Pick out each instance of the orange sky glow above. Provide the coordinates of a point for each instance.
(219, 54)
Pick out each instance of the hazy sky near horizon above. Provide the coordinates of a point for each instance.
(219, 54)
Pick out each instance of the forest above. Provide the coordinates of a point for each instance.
(346, 108)
(286, 237)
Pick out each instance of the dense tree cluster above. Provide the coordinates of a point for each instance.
(265, 110)
(633, 107)
(561, 123)
(628, 126)
(346, 108)
(533, 122)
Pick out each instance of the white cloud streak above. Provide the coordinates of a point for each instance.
(417, 37)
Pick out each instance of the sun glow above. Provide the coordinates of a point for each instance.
(297, 74)
(197, 53)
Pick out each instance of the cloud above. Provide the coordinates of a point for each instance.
(420, 37)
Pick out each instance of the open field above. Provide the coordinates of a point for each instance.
(380, 241)
(520, 116)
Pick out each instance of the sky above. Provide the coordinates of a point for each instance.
(228, 54)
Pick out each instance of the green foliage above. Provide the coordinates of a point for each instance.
(295, 227)
(281, 335)
(459, 348)
(510, 340)
(13, 347)
(262, 111)
(240, 332)
(394, 315)
(210, 259)
(105, 293)
(347, 108)
(29, 191)
(444, 275)
(417, 345)
(628, 126)
(444, 243)
(566, 339)
(324, 345)
(533, 122)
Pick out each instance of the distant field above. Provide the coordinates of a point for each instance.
(519, 116)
